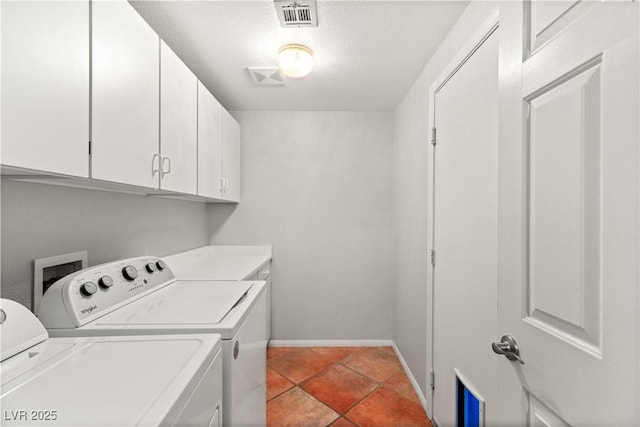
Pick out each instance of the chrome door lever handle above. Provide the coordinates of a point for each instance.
(507, 347)
(501, 348)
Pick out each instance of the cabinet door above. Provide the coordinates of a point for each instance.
(125, 96)
(45, 86)
(209, 144)
(231, 157)
(178, 124)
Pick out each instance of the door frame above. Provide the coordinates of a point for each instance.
(486, 29)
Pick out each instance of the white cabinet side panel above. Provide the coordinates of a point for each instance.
(209, 144)
(231, 156)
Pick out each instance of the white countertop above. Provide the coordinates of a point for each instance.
(219, 262)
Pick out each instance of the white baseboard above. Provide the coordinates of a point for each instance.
(330, 343)
(412, 379)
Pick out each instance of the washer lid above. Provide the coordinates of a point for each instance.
(115, 381)
(185, 303)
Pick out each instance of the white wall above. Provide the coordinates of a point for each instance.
(43, 220)
(317, 186)
(411, 216)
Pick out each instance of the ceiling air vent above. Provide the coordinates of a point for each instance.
(265, 76)
(296, 13)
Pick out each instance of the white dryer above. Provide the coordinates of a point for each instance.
(116, 381)
(141, 296)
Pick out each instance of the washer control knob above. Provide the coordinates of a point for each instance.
(161, 265)
(151, 268)
(88, 288)
(130, 273)
(105, 282)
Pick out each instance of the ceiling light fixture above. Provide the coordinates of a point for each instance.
(295, 60)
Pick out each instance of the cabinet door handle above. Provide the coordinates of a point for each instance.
(168, 169)
(236, 349)
(222, 185)
(155, 164)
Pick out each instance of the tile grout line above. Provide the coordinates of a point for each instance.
(281, 393)
(313, 375)
(342, 414)
(378, 384)
(337, 362)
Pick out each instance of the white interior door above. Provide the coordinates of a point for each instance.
(465, 229)
(569, 214)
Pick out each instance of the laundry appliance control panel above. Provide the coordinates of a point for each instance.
(93, 292)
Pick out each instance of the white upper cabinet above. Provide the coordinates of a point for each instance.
(45, 86)
(230, 157)
(178, 124)
(209, 144)
(125, 96)
(218, 149)
(90, 91)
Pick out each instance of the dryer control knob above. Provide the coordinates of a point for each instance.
(105, 282)
(161, 265)
(130, 273)
(151, 268)
(89, 288)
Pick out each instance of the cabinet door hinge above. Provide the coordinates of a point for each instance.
(433, 136)
(433, 257)
(432, 380)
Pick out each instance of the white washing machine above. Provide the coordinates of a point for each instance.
(141, 296)
(112, 381)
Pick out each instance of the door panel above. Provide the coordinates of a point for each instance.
(564, 143)
(577, 42)
(541, 415)
(548, 18)
(465, 226)
(569, 236)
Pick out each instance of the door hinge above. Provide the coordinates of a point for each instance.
(432, 380)
(433, 257)
(89, 147)
(433, 136)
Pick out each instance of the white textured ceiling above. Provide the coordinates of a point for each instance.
(368, 53)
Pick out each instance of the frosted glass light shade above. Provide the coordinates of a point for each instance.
(295, 60)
